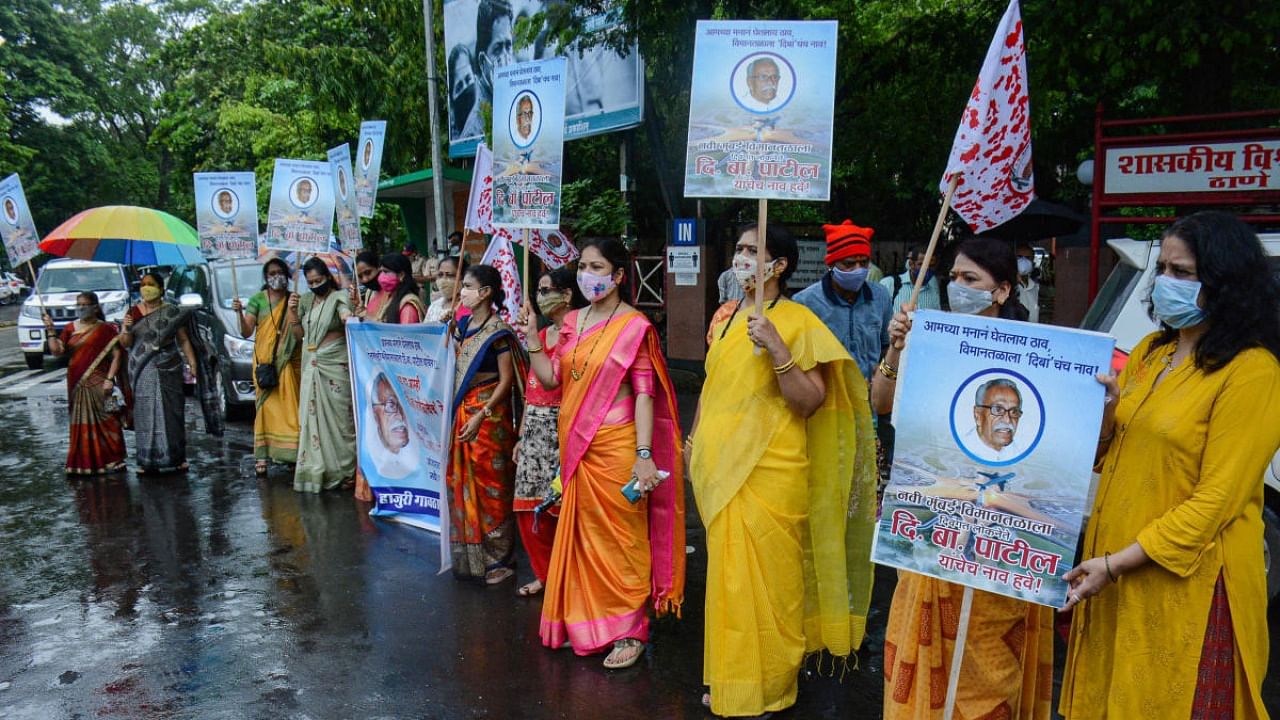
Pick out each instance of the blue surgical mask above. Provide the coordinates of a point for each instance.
(1025, 266)
(968, 301)
(1174, 302)
(850, 280)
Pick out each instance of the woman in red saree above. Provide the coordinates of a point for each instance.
(612, 558)
(482, 530)
(97, 438)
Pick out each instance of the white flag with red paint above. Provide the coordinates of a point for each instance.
(553, 247)
(992, 149)
(501, 257)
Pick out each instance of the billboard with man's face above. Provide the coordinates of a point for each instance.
(604, 91)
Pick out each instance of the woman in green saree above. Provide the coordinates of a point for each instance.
(327, 438)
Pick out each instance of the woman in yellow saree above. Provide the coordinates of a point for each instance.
(783, 468)
(1007, 669)
(276, 341)
(613, 556)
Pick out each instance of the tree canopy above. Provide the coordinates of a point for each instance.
(119, 102)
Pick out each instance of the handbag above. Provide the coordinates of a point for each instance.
(266, 375)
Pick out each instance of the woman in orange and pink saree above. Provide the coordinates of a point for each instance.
(616, 551)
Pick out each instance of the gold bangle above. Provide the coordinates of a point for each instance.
(1106, 560)
(888, 371)
(534, 350)
(785, 367)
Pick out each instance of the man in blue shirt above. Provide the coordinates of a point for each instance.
(857, 311)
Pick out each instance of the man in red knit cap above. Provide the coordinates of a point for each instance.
(855, 309)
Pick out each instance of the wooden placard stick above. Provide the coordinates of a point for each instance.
(933, 240)
(762, 233)
(957, 655)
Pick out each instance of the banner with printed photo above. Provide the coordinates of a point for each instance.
(402, 387)
(18, 230)
(345, 199)
(227, 214)
(369, 164)
(300, 216)
(604, 89)
(528, 144)
(996, 423)
(761, 108)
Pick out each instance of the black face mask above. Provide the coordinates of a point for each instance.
(372, 285)
(323, 288)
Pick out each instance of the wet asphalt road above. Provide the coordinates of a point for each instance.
(218, 595)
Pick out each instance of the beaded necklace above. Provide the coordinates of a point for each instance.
(573, 359)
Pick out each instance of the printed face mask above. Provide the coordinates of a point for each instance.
(277, 282)
(550, 302)
(1174, 302)
(744, 269)
(595, 286)
(850, 280)
(388, 281)
(967, 300)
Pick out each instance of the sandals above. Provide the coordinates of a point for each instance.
(626, 652)
(498, 575)
(530, 589)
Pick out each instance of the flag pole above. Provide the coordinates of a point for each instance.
(39, 300)
(957, 655)
(235, 288)
(524, 275)
(937, 231)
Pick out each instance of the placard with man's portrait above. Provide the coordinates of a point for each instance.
(300, 216)
(528, 144)
(345, 207)
(17, 229)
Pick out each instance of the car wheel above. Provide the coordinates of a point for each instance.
(1271, 551)
(35, 361)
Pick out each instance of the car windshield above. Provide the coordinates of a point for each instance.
(80, 279)
(248, 276)
(1111, 298)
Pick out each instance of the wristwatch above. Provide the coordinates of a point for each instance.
(487, 412)
(644, 453)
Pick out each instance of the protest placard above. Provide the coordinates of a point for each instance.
(368, 167)
(996, 424)
(402, 389)
(604, 89)
(760, 112)
(21, 241)
(301, 213)
(345, 200)
(227, 214)
(528, 144)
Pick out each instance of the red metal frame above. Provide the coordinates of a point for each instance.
(1102, 142)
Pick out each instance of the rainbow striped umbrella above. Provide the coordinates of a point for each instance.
(127, 235)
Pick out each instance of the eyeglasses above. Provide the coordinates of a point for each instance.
(766, 78)
(391, 407)
(1001, 411)
(525, 114)
(549, 291)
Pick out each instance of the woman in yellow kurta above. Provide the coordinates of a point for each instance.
(1007, 669)
(783, 468)
(277, 332)
(1171, 617)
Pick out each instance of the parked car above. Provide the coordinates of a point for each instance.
(1121, 310)
(208, 290)
(57, 285)
(16, 283)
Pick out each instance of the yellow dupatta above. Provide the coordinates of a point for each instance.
(742, 411)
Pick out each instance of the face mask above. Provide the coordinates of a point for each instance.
(278, 282)
(470, 298)
(371, 285)
(445, 286)
(388, 282)
(551, 302)
(851, 280)
(85, 312)
(323, 288)
(1024, 266)
(968, 301)
(744, 269)
(1174, 302)
(595, 286)
(150, 293)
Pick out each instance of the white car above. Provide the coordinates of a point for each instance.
(1121, 310)
(57, 286)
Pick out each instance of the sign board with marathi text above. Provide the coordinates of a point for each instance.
(300, 216)
(227, 214)
(996, 423)
(1204, 168)
(760, 113)
(21, 241)
(528, 144)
